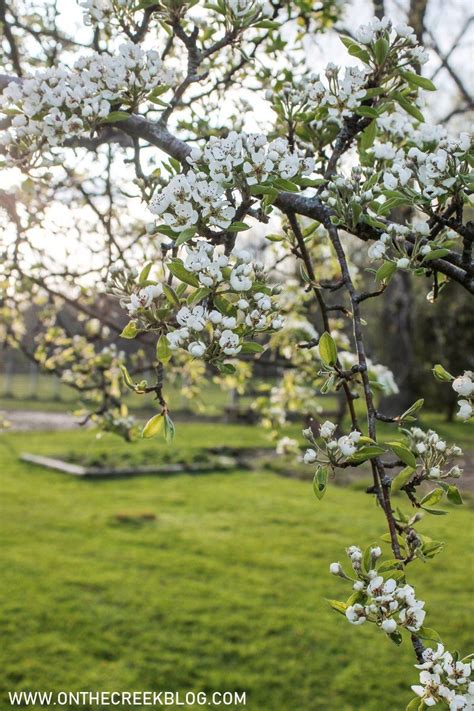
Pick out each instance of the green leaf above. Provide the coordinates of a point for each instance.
(396, 637)
(402, 478)
(367, 111)
(163, 350)
(267, 25)
(432, 497)
(338, 606)
(427, 633)
(178, 270)
(144, 273)
(251, 347)
(171, 295)
(413, 409)
(367, 559)
(434, 512)
(381, 48)
(355, 50)
(368, 136)
(224, 306)
(417, 80)
(385, 272)
(327, 349)
(409, 107)
(274, 238)
(153, 95)
(362, 54)
(197, 296)
(304, 274)
(397, 194)
(357, 596)
(311, 182)
(320, 481)
(432, 548)
(453, 495)
(165, 230)
(263, 190)
(126, 377)
(373, 222)
(130, 330)
(238, 227)
(153, 426)
(442, 374)
(435, 254)
(403, 453)
(286, 185)
(390, 564)
(116, 116)
(170, 429)
(414, 704)
(226, 368)
(365, 453)
(328, 385)
(185, 236)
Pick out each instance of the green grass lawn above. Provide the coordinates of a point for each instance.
(224, 590)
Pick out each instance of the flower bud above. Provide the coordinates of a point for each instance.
(403, 262)
(376, 552)
(389, 626)
(335, 569)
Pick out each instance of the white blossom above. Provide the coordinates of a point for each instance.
(442, 679)
(58, 102)
(464, 384)
(327, 429)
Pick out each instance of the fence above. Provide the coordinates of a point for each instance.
(31, 384)
(25, 385)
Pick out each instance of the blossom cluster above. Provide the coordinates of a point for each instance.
(136, 298)
(208, 332)
(361, 198)
(463, 385)
(432, 172)
(348, 197)
(435, 455)
(102, 11)
(239, 160)
(331, 449)
(248, 9)
(56, 104)
(239, 12)
(187, 198)
(338, 95)
(342, 94)
(205, 324)
(365, 198)
(402, 35)
(393, 247)
(445, 679)
(96, 11)
(386, 602)
(252, 155)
